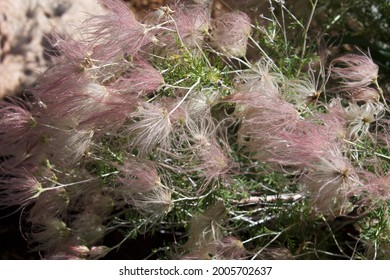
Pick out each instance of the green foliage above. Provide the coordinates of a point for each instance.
(374, 228)
(183, 70)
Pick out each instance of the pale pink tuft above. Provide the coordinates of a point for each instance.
(261, 77)
(365, 94)
(19, 189)
(116, 33)
(376, 189)
(230, 33)
(330, 184)
(354, 71)
(261, 116)
(142, 79)
(138, 176)
(206, 151)
(153, 204)
(192, 25)
(16, 122)
(151, 128)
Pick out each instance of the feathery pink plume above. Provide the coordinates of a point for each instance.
(354, 71)
(230, 33)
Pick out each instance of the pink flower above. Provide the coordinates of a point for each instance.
(354, 71)
(209, 156)
(334, 121)
(19, 188)
(272, 130)
(82, 60)
(330, 184)
(192, 25)
(55, 93)
(365, 94)
(141, 78)
(230, 33)
(179, 26)
(16, 122)
(262, 116)
(263, 120)
(101, 107)
(376, 189)
(138, 176)
(307, 90)
(300, 147)
(116, 33)
(65, 146)
(215, 162)
(153, 204)
(262, 112)
(82, 104)
(151, 127)
(73, 60)
(261, 77)
(69, 50)
(50, 204)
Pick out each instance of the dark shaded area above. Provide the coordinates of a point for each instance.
(12, 244)
(14, 247)
(140, 248)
